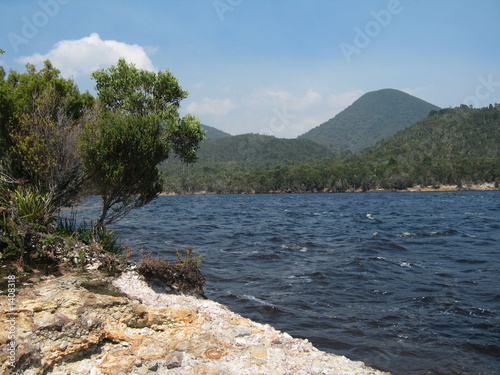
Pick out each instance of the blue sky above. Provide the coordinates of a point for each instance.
(278, 67)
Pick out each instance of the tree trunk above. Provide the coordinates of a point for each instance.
(106, 201)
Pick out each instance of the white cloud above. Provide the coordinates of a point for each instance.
(83, 56)
(209, 106)
(280, 99)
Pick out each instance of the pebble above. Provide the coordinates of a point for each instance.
(174, 360)
(206, 326)
(62, 346)
(259, 351)
(241, 331)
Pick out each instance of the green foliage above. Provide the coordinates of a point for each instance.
(109, 242)
(120, 155)
(461, 132)
(70, 227)
(258, 149)
(25, 86)
(138, 92)
(374, 116)
(40, 115)
(24, 220)
(53, 139)
(189, 259)
(82, 231)
(31, 207)
(238, 164)
(132, 133)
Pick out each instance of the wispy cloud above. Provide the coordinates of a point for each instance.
(83, 56)
(211, 106)
(267, 98)
(275, 111)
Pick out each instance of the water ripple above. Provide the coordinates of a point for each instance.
(404, 282)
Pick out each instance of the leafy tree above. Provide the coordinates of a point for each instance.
(45, 145)
(120, 155)
(4, 112)
(40, 120)
(136, 128)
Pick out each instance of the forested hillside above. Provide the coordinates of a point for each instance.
(260, 150)
(374, 116)
(459, 146)
(233, 164)
(449, 133)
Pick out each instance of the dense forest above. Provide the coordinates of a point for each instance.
(252, 149)
(455, 146)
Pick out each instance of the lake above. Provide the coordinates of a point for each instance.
(405, 282)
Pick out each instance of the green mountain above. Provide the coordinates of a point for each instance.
(260, 149)
(374, 116)
(459, 146)
(214, 133)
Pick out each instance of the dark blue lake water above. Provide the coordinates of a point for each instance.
(406, 282)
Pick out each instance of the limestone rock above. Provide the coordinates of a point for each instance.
(91, 324)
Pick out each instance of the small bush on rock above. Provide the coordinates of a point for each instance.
(24, 220)
(183, 276)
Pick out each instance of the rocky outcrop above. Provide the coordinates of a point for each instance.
(92, 324)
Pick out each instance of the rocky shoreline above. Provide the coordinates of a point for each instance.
(90, 323)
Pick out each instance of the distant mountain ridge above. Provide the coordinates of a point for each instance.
(212, 132)
(373, 117)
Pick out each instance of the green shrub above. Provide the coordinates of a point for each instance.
(109, 242)
(69, 226)
(31, 207)
(24, 219)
